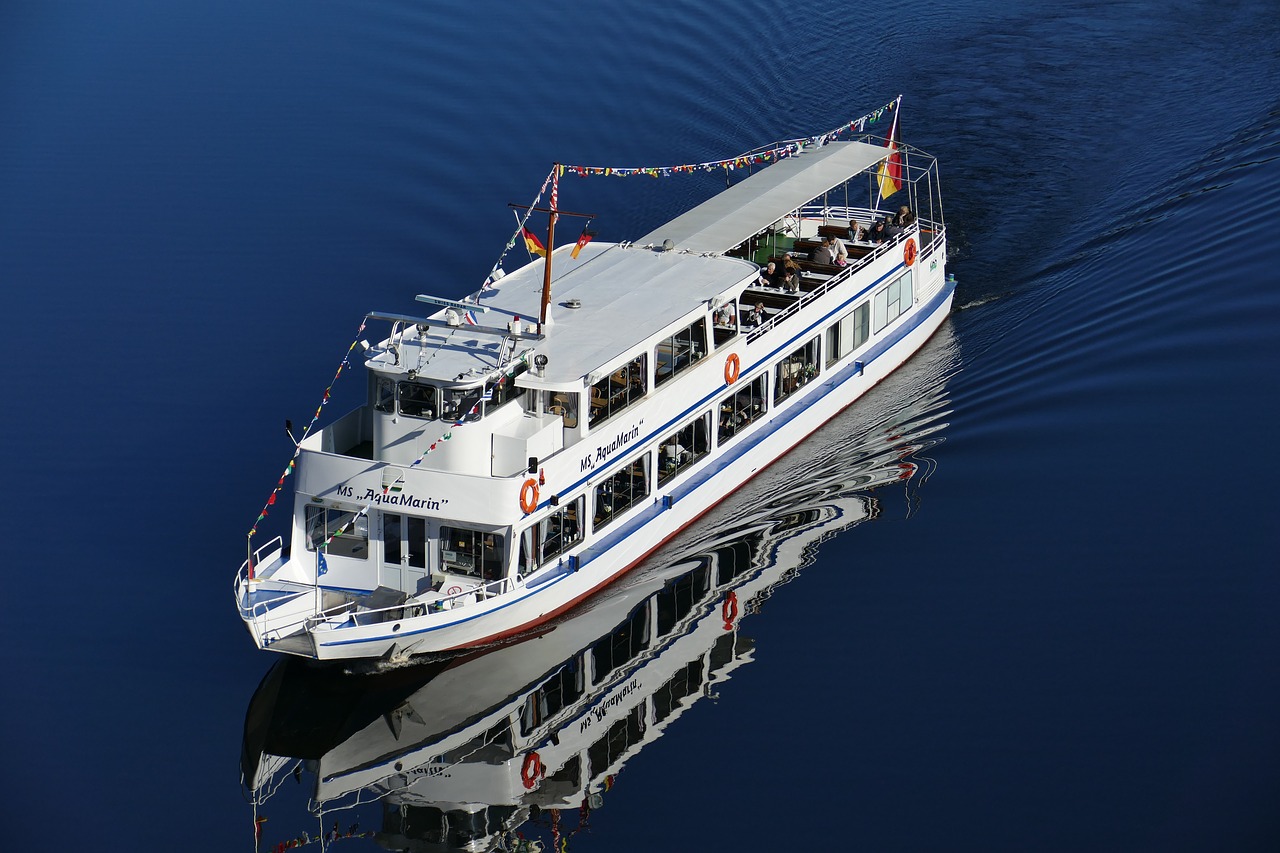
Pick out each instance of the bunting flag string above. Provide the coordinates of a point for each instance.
(765, 154)
(324, 399)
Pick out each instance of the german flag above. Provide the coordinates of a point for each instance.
(890, 172)
(532, 243)
(583, 240)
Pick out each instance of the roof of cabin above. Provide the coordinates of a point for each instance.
(627, 294)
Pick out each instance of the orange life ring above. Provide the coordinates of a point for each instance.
(532, 770)
(909, 252)
(731, 367)
(529, 496)
(729, 610)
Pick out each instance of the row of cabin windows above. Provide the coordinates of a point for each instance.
(621, 646)
(463, 551)
(682, 449)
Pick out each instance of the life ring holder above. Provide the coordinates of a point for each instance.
(732, 367)
(532, 771)
(529, 496)
(909, 251)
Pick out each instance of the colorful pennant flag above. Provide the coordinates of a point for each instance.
(583, 240)
(532, 243)
(470, 318)
(324, 565)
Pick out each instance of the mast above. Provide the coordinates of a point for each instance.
(551, 244)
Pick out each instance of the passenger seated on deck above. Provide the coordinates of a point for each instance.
(904, 218)
(856, 231)
(724, 316)
(770, 276)
(840, 253)
(755, 317)
(824, 254)
(790, 273)
(877, 234)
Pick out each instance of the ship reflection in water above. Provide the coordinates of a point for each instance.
(513, 747)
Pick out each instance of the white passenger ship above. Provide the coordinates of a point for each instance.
(501, 471)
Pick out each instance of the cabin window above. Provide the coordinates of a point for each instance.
(680, 351)
(678, 451)
(384, 395)
(552, 536)
(724, 323)
(620, 389)
(564, 404)
(503, 390)
(686, 682)
(627, 640)
(795, 371)
(675, 600)
(742, 407)
(346, 532)
(890, 303)
(556, 693)
(460, 404)
(418, 400)
(621, 491)
(613, 744)
(471, 552)
(849, 333)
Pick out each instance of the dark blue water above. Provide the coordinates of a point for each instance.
(1063, 638)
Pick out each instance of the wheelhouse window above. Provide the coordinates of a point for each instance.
(418, 400)
(680, 450)
(346, 532)
(890, 303)
(742, 407)
(464, 551)
(503, 390)
(621, 491)
(384, 395)
(724, 323)
(458, 404)
(795, 371)
(681, 351)
(552, 536)
(620, 389)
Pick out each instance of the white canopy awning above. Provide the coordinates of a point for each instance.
(749, 207)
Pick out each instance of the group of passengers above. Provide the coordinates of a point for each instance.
(883, 229)
(784, 277)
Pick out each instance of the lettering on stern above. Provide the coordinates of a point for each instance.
(405, 499)
(599, 712)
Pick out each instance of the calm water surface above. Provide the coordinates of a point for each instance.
(1058, 634)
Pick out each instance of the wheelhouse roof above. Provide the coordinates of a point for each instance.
(752, 205)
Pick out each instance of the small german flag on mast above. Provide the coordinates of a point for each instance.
(532, 243)
(583, 240)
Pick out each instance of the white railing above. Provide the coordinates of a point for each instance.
(349, 610)
(834, 281)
